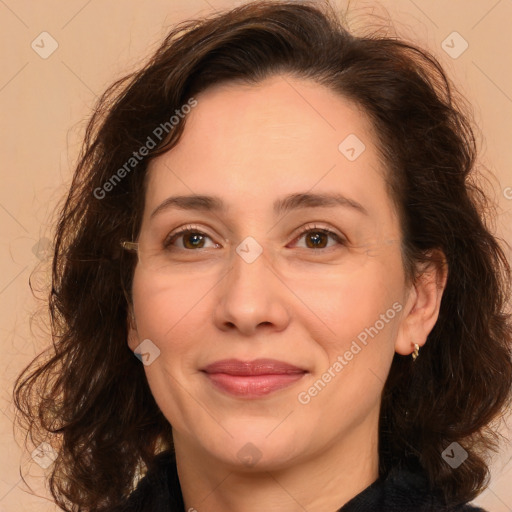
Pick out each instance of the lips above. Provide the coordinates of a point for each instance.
(252, 379)
(256, 367)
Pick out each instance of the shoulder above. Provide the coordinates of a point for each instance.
(403, 490)
(413, 485)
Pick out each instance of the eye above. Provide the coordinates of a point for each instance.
(192, 238)
(316, 237)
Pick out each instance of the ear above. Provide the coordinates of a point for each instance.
(133, 335)
(422, 304)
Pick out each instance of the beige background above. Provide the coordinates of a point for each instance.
(44, 103)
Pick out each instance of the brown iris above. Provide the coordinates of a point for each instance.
(317, 237)
(198, 240)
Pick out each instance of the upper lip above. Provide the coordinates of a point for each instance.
(255, 367)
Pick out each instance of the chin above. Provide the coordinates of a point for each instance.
(255, 451)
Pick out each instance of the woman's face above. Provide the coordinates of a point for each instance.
(261, 277)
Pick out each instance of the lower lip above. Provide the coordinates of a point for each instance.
(252, 386)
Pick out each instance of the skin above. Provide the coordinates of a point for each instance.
(251, 145)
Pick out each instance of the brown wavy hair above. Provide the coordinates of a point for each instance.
(88, 395)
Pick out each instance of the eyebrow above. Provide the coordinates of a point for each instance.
(283, 205)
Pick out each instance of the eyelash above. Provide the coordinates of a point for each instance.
(304, 230)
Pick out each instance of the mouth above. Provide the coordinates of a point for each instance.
(252, 379)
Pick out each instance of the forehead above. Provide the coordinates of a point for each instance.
(253, 143)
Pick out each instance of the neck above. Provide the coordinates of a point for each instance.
(322, 482)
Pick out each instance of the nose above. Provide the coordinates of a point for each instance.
(251, 296)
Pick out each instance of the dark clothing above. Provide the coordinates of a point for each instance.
(400, 491)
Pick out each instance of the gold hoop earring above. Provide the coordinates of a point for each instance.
(416, 351)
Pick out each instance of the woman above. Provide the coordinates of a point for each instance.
(279, 219)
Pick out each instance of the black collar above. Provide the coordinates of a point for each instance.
(402, 490)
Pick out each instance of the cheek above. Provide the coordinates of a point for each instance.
(165, 306)
(347, 304)
(355, 326)
(169, 316)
